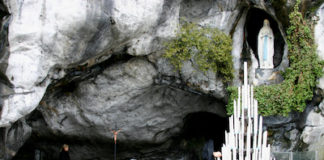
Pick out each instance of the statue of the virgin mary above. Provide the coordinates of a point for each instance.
(266, 46)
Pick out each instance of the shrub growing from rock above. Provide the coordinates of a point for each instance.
(208, 49)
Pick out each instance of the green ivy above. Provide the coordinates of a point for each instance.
(209, 48)
(233, 92)
(299, 78)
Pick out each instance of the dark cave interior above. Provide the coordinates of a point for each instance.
(198, 128)
(254, 22)
(204, 126)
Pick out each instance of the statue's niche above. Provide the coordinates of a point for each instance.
(265, 41)
(266, 46)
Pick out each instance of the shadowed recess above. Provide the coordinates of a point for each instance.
(204, 126)
(254, 22)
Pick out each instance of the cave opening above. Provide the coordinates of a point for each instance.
(254, 22)
(200, 128)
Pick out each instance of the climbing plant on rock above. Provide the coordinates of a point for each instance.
(299, 78)
(208, 49)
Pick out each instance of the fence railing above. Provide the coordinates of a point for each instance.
(310, 155)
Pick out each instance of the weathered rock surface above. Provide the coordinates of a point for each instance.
(51, 40)
(319, 38)
(13, 138)
(314, 126)
(125, 95)
(46, 37)
(267, 77)
(313, 129)
(284, 133)
(48, 43)
(67, 44)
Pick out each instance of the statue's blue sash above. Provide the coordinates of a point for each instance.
(265, 48)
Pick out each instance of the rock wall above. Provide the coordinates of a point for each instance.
(125, 95)
(86, 66)
(319, 37)
(64, 56)
(46, 39)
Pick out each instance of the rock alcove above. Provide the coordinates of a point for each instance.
(204, 126)
(254, 22)
(197, 129)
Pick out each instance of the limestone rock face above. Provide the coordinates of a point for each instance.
(124, 95)
(45, 38)
(87, 66)
(312, 122)
(319, 38)
(16, 136)
(52, 37)
(45, 35)
(71, 45)
(220, 14)
(313, 130)
(283, 132)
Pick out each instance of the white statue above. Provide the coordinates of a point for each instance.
(266, 46)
